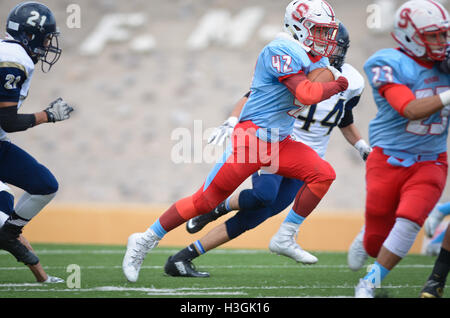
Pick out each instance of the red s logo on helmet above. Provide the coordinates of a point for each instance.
(404, 18)
(300, 12)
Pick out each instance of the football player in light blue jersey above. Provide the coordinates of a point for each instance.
(31, 36)
(270, 193)
(261, 138)
(406, 171)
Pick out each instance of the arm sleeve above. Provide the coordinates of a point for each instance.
(347, 119)
(307, 92)
(398, 96)
(11, 121)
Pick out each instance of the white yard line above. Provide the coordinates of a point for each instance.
(44, 287)
(188, 291)
(100, 267)
(121, 252)
(302, 267)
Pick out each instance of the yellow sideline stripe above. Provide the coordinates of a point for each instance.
(112, 224)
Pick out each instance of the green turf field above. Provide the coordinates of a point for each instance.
(234, 273)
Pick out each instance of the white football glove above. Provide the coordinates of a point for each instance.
(363, 148)
(335, 72)
(58, 110)
(221, 133)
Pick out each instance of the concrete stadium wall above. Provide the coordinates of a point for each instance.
(132, 93)
(112, 224)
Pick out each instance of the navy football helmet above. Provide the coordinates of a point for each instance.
(33, 25)
(343, 43)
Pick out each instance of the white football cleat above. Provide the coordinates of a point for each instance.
(432, 222)
(284, 243)
(53, 280)
(364, 289)
(139, 244)
(357, 255)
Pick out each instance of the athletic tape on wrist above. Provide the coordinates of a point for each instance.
(445, 97)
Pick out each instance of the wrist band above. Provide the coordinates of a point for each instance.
(233, 121)
(360, 144)
(445, 97)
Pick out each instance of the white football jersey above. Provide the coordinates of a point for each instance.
(15, 60)
(315, 123)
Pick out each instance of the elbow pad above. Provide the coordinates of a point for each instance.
(11, 121)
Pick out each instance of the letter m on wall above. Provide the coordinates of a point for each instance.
(219, 27)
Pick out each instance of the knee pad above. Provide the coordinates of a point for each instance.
(402, 237)
(254, 199)
(29, 205)
(265, 189)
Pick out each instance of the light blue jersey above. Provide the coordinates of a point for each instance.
(389, 130)
(270, 100)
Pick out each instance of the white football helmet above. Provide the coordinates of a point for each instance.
(313, 24)
(421, 28)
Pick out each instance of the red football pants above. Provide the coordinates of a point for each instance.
(248, 154)
(399, 192)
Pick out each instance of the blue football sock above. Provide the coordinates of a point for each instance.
(376, 274)
(293, 217)
(158, 229)
(438, 239)
(444, 208)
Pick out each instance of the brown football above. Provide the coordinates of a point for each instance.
(321, 75)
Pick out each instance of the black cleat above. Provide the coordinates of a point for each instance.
(199, 222)
(432, 289)
(183, 268)
(9, 241)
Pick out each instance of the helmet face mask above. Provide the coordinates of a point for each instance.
(33, 25)
(337, 59)
(436, 42)
(323, 39)
(422, 29)
(50, 53)
(312, 23)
